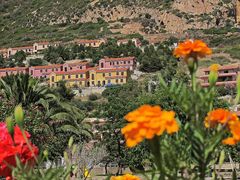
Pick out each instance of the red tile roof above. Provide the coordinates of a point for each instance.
(14, 69)
(47, 67)
(119, 59)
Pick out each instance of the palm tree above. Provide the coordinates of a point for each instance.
(70, 119)
(23, 89)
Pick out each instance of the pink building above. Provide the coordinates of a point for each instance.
(45, 71)
(227, 75)
(124, 62)
(26, 49)
(16, 70)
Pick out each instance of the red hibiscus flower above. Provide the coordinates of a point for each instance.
(16, 147)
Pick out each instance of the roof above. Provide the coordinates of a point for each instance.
(23, 47)
(47, 67)
(71, 72)
(14, 69)
(119, 59)
(87, 40)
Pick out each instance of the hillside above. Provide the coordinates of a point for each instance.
(25, 21)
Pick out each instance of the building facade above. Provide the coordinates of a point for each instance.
(4, 52)
(90, 43)
(135, 41)
(103, 77)
(73, 79)
(45, 71)
(40, 46)
(26, 49)
(124, 62)
(10, 71)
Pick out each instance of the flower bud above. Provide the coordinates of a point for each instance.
(238, 85)
(213, 77)
(45, 153)
(19, 115)
(238, 90)
(70, 142)
(10, 126)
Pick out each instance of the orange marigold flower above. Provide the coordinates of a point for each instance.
(191, 48)
(146, 122)
(220, 116)
(214, 67)
(235, 131)
(125, 177)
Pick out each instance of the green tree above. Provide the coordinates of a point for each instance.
(19, 57)
(23, 89)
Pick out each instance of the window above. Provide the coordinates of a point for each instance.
(92, 76)
(77, 76)
(45, 70)
(110, 63)
(81, 76)
(124, 62)
(35, 47)
(80, 67)
(92, 82)
(129, 62)
(117, 63)
(116, 80)
(122, 73)
(121, 80)
(70, 68)
(109, 74)
(52, 69)
(41, 70)
(65, 69)
(103, 74)
(52, 78)
(31, 72)
(69, 76)
(56, 69)
(63, 77)
(117, 73)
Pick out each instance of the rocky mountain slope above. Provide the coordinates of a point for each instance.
(28, 20)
